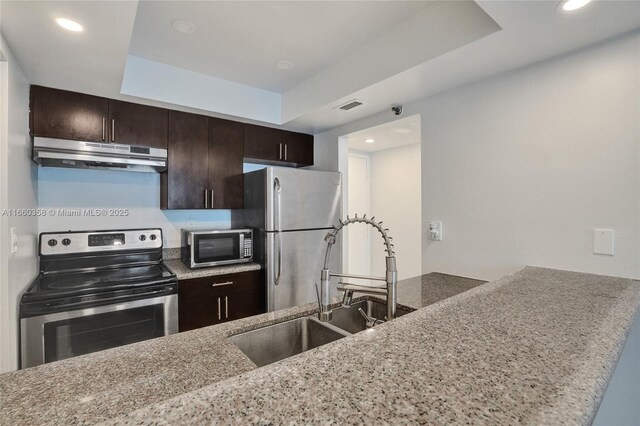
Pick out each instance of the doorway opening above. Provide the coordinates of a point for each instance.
(382, 177)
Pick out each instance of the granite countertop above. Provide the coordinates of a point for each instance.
(535, 347)
(424, 290)
(95, 387)
(185, 273)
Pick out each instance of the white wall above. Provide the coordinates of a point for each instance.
(395, 199)
(358, 237)
(184, 87)
(18, 191)
(77, 189)
(522, 166)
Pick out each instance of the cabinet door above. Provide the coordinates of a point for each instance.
(200, 303)
(262, 144)
(68, 115)
(298, 148)
(275, 146)
(185, 181)
(226, 151)
(134, 124)
(212, 300)
(247, 298)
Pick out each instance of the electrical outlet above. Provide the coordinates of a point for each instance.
(435, 231)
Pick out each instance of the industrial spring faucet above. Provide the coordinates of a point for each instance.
(391, 277)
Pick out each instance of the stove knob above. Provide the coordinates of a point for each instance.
(143, 237)
(66, 242)
(52, 242)
(153, 237)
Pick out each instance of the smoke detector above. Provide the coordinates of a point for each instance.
(349, 105)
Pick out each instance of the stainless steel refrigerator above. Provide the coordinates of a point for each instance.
(291, 211)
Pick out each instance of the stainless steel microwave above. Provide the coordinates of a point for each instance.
(202, 248)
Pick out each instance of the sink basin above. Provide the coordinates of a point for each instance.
(349, 319)
(279, 341)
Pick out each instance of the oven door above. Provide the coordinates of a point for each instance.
(62, 335)
(217, 248)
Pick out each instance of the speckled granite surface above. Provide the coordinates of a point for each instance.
(430, 288)
(101, 385)
(184, 273)
(535, 347)
(171, 253)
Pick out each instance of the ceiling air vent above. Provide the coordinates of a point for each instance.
(349, 105)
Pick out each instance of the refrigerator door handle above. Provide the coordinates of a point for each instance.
(277, 188)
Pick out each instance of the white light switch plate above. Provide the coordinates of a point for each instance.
(603, 241)
(14, 240)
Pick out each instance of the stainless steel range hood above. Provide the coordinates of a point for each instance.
(94, 155)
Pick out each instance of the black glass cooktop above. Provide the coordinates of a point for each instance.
(61, 284)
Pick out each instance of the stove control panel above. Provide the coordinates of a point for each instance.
(53, 243)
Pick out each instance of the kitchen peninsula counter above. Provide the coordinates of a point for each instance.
(538, 346)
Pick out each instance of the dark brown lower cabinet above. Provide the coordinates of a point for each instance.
(214, 300)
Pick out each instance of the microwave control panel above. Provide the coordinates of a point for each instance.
(248, 247)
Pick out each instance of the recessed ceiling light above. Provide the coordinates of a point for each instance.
(403, 130)
(284, 65)
(183, 26)
(69, 25)
(569, 5)
(369, 140)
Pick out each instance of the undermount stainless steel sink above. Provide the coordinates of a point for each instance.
(279, 341)
(351, 320)
(275, 342)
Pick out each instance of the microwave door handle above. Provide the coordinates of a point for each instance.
(277, 190)
(241, 246)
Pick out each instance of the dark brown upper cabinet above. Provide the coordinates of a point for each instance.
(185, 183)
(134, 124)
(275, 146)
(62, 114)
(226, 151)
(262, 144)
(68, 115)
(205, 163)
(299, 148)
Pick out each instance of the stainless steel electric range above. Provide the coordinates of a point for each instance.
(96, 290)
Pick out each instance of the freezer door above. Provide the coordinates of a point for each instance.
(294, 260)
(301, 199)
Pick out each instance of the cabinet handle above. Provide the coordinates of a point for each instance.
(113, 130)
(212, 194)
(285, 150)
(221, 284)
(206, 199)
(226, 307)
(104, 128)
(280, 152)
(219, 310)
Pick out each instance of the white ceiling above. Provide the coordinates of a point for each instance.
(381, 52)
(391, 135)
(242, 41)
(91, 62)
(532, 31)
